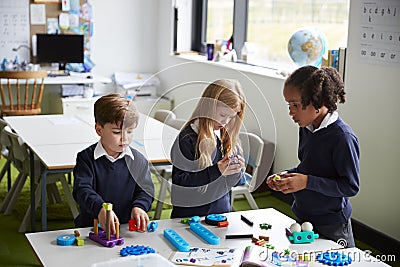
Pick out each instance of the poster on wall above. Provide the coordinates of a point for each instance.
(14, 30)
(380, 31)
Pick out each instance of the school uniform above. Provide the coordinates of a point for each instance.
(329, 156)
(197, 191)
(98, 178)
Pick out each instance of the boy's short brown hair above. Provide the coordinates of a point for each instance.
(115, 109)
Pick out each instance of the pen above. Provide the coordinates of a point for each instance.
(246, 220)
(239, 236)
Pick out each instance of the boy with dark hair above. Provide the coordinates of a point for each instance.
(111, 171)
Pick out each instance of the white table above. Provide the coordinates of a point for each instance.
(50, 254)
(56, 140)
(77, 78)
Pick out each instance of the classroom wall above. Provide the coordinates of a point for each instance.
(372, 96)
(125, 36)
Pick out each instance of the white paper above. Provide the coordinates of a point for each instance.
(380, 31)
(14, 29)
(64, 20)
(38, 14)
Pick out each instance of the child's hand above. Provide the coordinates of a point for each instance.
(102, 220)
(291, 182)
(141, 217)
(271, 182)
(231, 165)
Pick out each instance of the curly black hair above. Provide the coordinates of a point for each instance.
(319, 86)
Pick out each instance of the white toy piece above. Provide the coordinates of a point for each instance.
(307, 227)
(295, 228)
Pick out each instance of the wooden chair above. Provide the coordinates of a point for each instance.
(22, 93)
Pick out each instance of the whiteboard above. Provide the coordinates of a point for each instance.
(14, 29)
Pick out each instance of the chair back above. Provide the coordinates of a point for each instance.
(5, 141)
(21, 159)
(22, 92)
(252, 146)
(164, 115)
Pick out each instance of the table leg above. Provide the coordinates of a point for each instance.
(33, 217)
(44, 208)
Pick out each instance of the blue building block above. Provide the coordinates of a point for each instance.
(152, 226)
(66, 240)
(194, 219)
(204, 233)
(176, 240)
(136, 250)
(214, 219)
(334, 258)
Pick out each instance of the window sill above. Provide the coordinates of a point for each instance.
(248, 68)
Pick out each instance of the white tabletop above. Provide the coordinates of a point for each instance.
(50, 254)
(56, 139)
(77, 78)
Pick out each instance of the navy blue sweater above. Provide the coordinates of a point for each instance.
(125, 183)
(330, 158)
(198, 191)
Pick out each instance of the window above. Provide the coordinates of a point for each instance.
(219, 20)
(267, 25)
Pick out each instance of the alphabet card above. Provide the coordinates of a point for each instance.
(207, 257)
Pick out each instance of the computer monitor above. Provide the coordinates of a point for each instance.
(59, 48)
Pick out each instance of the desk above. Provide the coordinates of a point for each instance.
(75, 78)
(50, 254)
(56, 140)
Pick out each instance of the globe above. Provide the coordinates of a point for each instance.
(307, 46)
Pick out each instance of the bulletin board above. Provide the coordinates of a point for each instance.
(16, 27)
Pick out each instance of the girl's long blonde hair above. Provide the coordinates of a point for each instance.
(226, 93)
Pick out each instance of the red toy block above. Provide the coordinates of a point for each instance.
(223, 224)
(133, 226)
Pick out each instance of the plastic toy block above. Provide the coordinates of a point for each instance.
(76, 233)
(185, 220)
(266, 238)
(214, 219)
(334, 258)
(101, 238)
(233, 160)
(194, 219)
(204, 233)
(133, 226)
(152, 226)
(260, 242)
(276, 178)
(136, 250)
(80, 241)
(223, 224)
(176, 240)
(301, 237)
(107, 206)
(265, 226)
(65, 240)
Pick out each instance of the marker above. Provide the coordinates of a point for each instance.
(239, 236)
(246, 220)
